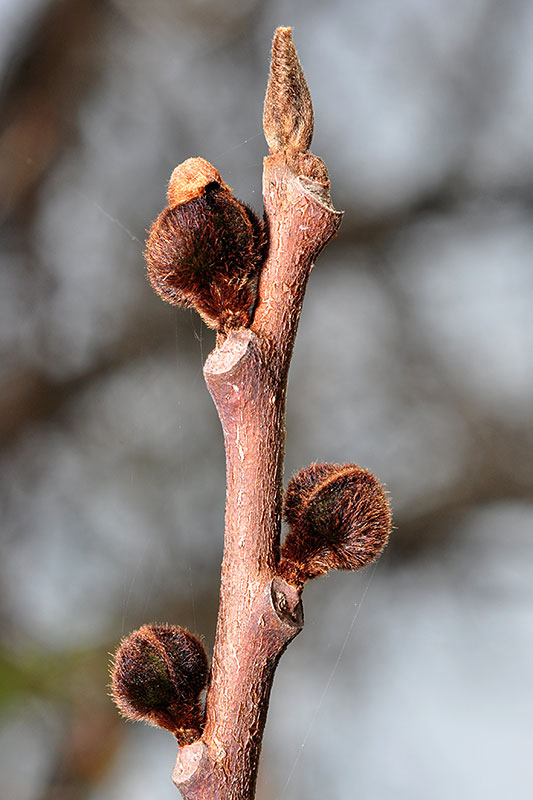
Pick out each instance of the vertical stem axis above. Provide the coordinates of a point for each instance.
(246, 375)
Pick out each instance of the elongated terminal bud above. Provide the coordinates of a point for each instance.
(288, 113)
(206, 248)
(339, 518)
(157, 676)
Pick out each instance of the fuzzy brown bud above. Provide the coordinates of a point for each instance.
(157, 676)
(206, 248)
(288, 113)
(339, 518)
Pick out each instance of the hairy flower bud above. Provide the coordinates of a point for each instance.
(157, 675)
(206, 248)
(339, 518)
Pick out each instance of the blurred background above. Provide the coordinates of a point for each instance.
(411, 679)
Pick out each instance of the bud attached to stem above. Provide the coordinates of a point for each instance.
(206, 248)
(288, 113)
(339, 518)
(157, 675)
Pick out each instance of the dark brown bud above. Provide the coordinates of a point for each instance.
(339, 518)
(206, 248)
(288, 112)
(157, 676)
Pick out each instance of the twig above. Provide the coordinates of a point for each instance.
(246, 374)
(206, 249)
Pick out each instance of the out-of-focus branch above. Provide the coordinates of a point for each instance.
(37, 108)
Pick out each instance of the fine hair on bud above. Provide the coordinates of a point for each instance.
(339, 518)
(206, 248)
(288, 111)
(157, 675)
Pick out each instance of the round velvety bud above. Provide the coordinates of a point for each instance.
(157, 676)
(206, 248)
(339, 518)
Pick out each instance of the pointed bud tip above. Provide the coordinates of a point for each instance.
(288, 111)
(283, 32)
